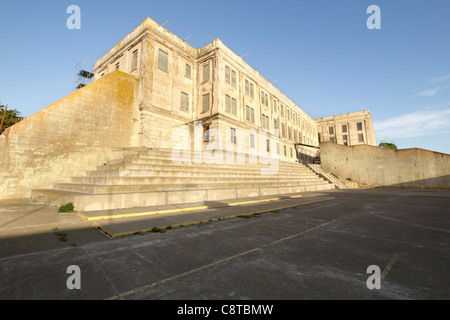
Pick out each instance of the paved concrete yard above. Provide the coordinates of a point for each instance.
(318, 249)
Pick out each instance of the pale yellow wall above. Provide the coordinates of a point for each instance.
(375, 166)
(70, 136)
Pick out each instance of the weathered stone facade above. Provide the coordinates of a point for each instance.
(180, 84)
(348, 129)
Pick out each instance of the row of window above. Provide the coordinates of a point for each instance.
(207, 138)
(133, 65)
(345, 139)
(344, 128)
(163, 64)
(249, 87)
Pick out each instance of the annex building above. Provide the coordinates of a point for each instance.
(348, 129)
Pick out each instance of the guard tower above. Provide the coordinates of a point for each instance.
(83, 77)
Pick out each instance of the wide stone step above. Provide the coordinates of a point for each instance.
(150, 171)
(93, 188)
(255, 169)
(184, 180)
(107, 201)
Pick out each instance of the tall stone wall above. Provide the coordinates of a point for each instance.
(71, 136)
(375, 166)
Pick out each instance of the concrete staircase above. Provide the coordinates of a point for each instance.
(149, 177)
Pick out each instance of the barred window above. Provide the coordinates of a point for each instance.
(233, 78)
(227, 103)
(205, 102)
(134, 58)
(233, 135)
(233, 106)
(227, 74)
(163, 60)
(206, 72)
(360, 137)
(188, 71)
(359, 126)
(184, 104)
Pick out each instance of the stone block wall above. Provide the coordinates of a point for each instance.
(70, 136)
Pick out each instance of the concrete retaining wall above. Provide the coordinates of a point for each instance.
(375, 166)
(70, 136)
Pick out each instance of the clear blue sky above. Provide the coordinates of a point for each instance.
(321, 52)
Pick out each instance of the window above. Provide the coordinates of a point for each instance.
(230, 104)
(188, 71)
(282, 110)
(247, 87)
(134, 57)
(163, 60)
(184, 104)
(275, 106)
(249, 114)
(233, 78)
(252, 141)
(205, 102)
(289, 133)
(206, 133)
(252, 90)
(344, 137)
(360, 137)
(331, 130)
(233, 135)
(264, 98)
(117, 66)
(288, 114)
(206, 72)
(227, 74)
(284, 150)
(275, 124)
(359, 126)
(283, 130)
(344, 128)
(227, 103)
(268, 145)
(265, 122)
(291, 152)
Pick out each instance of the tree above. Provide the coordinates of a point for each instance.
(12, 116)
(388, 145)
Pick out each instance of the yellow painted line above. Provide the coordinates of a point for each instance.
(215, 263)
(389, 266)
(139, 214)
(128, 233)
